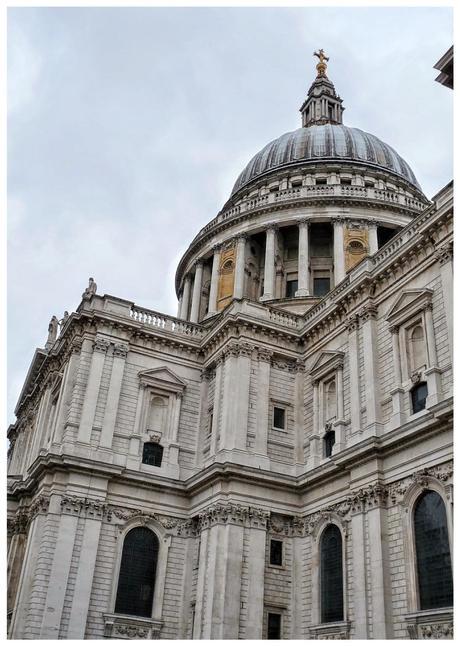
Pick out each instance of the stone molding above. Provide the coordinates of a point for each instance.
(339, 630)
(368, 312)
(120, 350)
(430, 624)
(264, 354)
(445, 253)
(130, 627)
(230, 513)
(101, 345)
(19, 523)
(352, 323)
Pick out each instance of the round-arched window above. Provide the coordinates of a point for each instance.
(331, 575)
(136, 581)
(434, 568)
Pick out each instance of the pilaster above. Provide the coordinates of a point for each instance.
(100, 348)
(368, 317)
(303, 264)
(120, 353)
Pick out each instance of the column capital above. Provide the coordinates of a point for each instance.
(444, 254)
(371, 224)
(217, 248)
(101, 345)
(197, 264)
(352, 323)
(272, 227)
(303, 222)
(120, 350)
(338, 220)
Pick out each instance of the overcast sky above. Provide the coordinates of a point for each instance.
(128, 127)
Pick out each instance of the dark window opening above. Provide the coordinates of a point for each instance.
(291, 287)
(276, 552)
(418, 395)
(331, 575)
(384, 235)
(345, 182)
(329, 441)
(279, 418)
(331, 112)
(434, 569)
(152, 454)
(321, 181)
(321, 286)
(273, 626)
(321, 237)
(136, 580)
(369, 184)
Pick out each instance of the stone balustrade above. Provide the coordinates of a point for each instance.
(165, 322)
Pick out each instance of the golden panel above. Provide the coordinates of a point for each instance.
(226, 278)
(356, 242)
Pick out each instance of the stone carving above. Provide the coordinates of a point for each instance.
(19, 523)
(101, 345)
(368, 312)
(90, 290)
(352, 323)
(130, 631)
(155, 436)
(235, 514)
(63, 321)
(123, 627)
(439, 630)
(120, 350)
(264, 354)
(82, 506)
(52, 331)
(444, 254)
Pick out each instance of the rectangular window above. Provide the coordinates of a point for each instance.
(279, 418)
(345, 182)
(291, 288)
(210, 423)
(273, 625)
(321, 181)
(276, 552)
(321, 286)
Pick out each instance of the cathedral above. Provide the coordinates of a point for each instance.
(275, 462)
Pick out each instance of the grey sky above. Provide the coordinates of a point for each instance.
(128, 127)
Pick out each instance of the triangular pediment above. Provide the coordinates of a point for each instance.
(408, 303)
(326, 362)
(162, 377)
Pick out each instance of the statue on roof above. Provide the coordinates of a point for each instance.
(90, 290)
(321, 66)
(52, 332)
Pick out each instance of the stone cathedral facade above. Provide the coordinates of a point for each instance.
(275, 461)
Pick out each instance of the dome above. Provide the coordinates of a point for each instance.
(327, 142)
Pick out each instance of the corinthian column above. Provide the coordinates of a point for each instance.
(212, 309)
(185, 297)
(269, 270)
(239, 269)
(303, 273)
(196, 297)
(339, 255)
(373, 240)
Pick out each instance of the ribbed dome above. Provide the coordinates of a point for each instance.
(326, 142)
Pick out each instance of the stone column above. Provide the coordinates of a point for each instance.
(397, 392)
(186, 296)
(214, 281)
(238, 290)
(373, 240)
(371, 373)
(263, 403)
(120, 352)
(67, 390)
(379, 568)
(100, 348)
(359, 573)
(339, 254)
(84, 578)
(445, 257)
(269, 269)
(315, 446)
(299, 412)
(217, 405)
(433, 373)
(303, 265)
(196, 297)
(236, 397)
(179, 306)
(353, 358)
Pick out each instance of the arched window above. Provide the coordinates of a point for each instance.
(136, 580)
(418, 395)
(434, 570)
(417, 353)
(152, 454)
(331, 575)
(330, 400)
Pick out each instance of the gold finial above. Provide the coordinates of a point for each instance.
(321, 66)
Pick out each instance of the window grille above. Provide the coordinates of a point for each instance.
(331, 575)
(136, 580)
(152, 454)
(276, 552)
(434, 570)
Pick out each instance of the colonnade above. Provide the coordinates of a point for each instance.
(271, 233)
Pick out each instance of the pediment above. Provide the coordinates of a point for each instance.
(162, 377)
(408, 303)
(325, 363)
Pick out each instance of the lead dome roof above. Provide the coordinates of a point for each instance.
(327, 142)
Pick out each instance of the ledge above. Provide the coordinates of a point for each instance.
(431, 624)
(333, 630)
(131, 627)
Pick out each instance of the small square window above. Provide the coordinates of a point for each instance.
(273, 625)
(418, 395)
(276, 552)
(291, 288)
(321, 286)
(321, 181)
(279, 418)
(152, 454)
